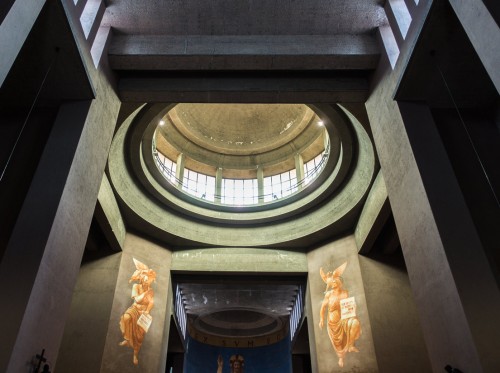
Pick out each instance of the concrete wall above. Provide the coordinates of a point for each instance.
(153, 353)
(276, 357)
(40, 264)
(82, 345)
(444, 256)
(330, 257)
(399, 344)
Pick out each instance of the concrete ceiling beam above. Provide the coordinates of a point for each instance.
(244, 90)
(244, 52)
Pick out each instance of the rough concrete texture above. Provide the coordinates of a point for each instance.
(85, 332)
(244, 52)
(373, 216)
(399, 344)
(288, 89)
(50, 235)
(258, 17)
(153, 353)
(329, 257)
(236, 259)
(108, 215)
(444, 270)
(167, 220)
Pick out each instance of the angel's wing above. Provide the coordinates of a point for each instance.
(338, 272)
(322, 274)
(139, 265)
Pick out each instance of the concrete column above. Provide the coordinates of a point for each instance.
(41, 261)
(459, 259)
(299, 169)
(260, 183)
(218, 185)
(477, 22)
(397, 333)
(444, 256)
(153, 351)
(14, 30)
(179, 171)
(88, 319)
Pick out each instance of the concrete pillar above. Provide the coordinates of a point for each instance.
(444, 256)
(218, 185)
(88, 319)
(299, 169)
(456, 255)
(397, 333)
(179, 171)
(260, 183)
(42, 258)
(14, 30)
(152, 356)
(455, 291)
(477, 22)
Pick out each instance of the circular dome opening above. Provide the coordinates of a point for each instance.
(240, 154)
(329, 205)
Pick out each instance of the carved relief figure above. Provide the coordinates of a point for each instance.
(236, 363)
(135, 322)
(342, 324)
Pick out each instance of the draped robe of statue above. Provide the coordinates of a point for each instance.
(133, 332)
(343, 333)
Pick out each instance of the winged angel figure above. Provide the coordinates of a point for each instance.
(135, 322)
(342, 324)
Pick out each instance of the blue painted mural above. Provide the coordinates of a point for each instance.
(204, 358)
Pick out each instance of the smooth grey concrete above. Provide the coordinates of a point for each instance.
(478, 22)
(308, 313)
(165, 223)
(153, 353)
(243, 52)
(397, 335)
(459, 242)
(375, 212)
(109, 216)
(259, 17)
(38, 243)
(84, 336)
(236, 259)
(14, 30)
(41, 261)
(52, 227)
(288, 89)
(445, 261)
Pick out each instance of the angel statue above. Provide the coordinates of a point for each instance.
(343, 325)
(135, 322)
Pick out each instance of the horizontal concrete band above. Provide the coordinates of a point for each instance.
(286, 89)
(245, 52)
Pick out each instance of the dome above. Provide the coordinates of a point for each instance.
(259, 188)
